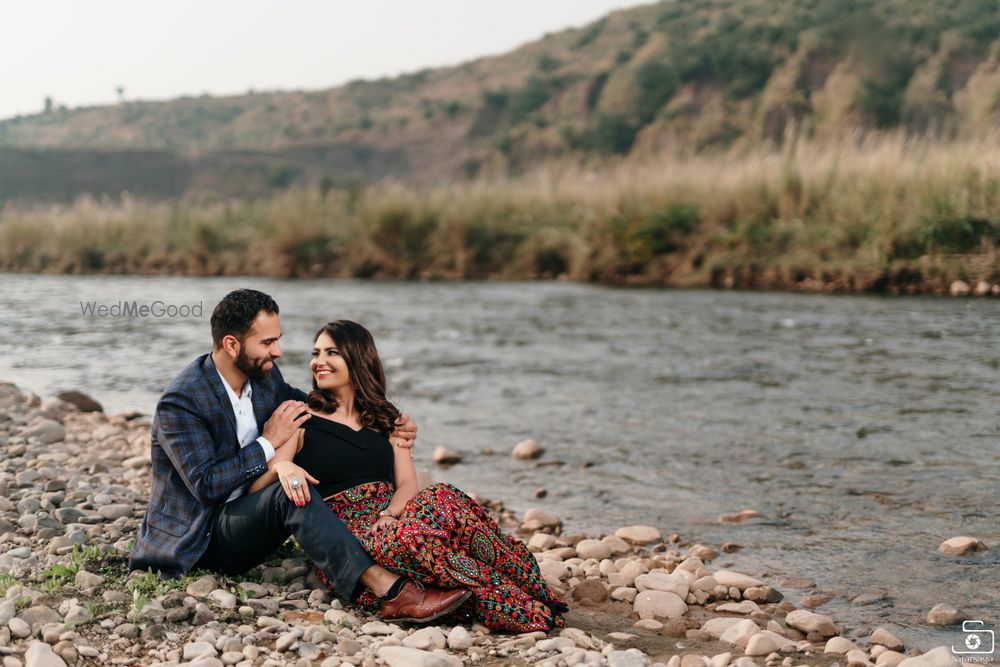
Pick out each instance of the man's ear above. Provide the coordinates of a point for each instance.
(231, 344)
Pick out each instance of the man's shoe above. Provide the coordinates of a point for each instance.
(420, 605)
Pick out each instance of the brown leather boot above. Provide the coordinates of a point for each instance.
(420, 605)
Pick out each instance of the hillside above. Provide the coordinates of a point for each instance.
(676, 76)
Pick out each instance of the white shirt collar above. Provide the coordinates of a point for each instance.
(247, 389)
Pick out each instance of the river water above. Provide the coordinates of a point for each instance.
(863, 429)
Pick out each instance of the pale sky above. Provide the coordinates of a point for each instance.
(80, 51)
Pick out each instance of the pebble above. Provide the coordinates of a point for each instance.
(527, 450)
(840, 645)
(661, 604)
(961, 546)
(945, 614)
(807, 622)
(401, 656)
(445, 457)
(883, 637)
(459, 638)
(592, 549)
(735, 580)
(639, 535)
(40, 654)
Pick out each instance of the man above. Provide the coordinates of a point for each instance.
(210, 440)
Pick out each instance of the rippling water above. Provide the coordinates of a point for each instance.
(864, 429)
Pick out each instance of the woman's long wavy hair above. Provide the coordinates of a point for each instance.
(357, 347)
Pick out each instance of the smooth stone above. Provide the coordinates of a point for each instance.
(883, 637)
(444, 456)
(630, 658)
(648, 624)
(944, 614)
(961, 546)
(40, 654)
(857, 657)
(38, 616)
(541, 542)
(459, 638)
(115, 511)
(545, 519)
(744, 607)
(618, 546)
(87, 581)
(224, 599)
(937, 657)
(402, 656)
(638, 534)
(8, 609)
(426, 639)
(731, 579)
(555, 644)
(193, 650)
(590, 590)
(739, 517)
(740, 632)
(593, 549)
(527, 450)
(48, 431)
(889, 659)
(377, 628)
(662, 604)
(760, 644)
(661, 581)
(18, 628)
(83, 402)
(202, 586)
(715, 627)
(808, 621)
(840, 645)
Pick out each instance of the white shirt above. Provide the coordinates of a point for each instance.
(246, 424)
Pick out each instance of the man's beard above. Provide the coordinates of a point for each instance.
(252, 368)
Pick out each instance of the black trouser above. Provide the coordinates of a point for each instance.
(248, 530)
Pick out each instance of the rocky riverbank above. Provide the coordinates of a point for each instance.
(73, 490)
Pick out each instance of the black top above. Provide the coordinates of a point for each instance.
(340, 457)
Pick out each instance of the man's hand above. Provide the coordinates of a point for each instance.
(405, 433)
(284, 421)
(295, 481)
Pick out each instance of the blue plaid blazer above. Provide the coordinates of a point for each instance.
(198, 462)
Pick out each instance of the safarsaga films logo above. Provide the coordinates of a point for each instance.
(977, 644)
(122, 309)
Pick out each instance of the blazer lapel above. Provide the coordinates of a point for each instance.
(260, 401)
(214, 381)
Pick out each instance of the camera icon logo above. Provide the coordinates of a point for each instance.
(978, 639)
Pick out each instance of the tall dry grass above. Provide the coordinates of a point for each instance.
(878, 213)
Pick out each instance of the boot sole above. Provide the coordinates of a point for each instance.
(433, 617)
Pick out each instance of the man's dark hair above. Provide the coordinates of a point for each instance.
(234, 315)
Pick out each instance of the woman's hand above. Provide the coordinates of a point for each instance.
(382, 523)
(295, 481)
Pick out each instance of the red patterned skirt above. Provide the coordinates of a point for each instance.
(446, 539)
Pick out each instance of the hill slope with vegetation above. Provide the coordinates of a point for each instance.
(679, 76)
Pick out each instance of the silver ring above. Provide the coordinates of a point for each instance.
(295, 482)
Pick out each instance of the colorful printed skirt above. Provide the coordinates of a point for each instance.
(444, 538)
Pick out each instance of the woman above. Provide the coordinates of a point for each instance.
(437, 535)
